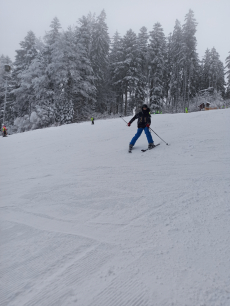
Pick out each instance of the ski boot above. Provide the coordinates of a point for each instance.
(130, 148)
(151, 146)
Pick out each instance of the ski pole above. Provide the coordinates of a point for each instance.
(123, 119)
(159, 136)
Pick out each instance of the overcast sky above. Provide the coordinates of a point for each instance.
(17, 17)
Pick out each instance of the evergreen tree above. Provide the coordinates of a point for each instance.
(85, 95)
(41, 76)
(26, 54)
(86, 24)
(45, 66)
(115, 57)
(64, 68)
(228, 76)
(157, 58)
(24, 95)
(216, 72)
(176, 59)
(213, 72)
(52, 42)
(143, 83)
(142, 41)
(52, 35)
(6, 85)
(44, 95)
(168, 70)
(129, 67)
(206, 76)
(99, 59)
(190, 57)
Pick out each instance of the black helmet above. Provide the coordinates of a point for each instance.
(145, 106)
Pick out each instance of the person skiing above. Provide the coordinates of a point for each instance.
(143, 123)
(92, 119)
(4, 131)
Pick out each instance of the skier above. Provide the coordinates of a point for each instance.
(4, 131)
(92, 119)
(143, 123)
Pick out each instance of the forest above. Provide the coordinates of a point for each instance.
(69, 76)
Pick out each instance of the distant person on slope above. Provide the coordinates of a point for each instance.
(143, 123)
(92, 119)
(4, 131)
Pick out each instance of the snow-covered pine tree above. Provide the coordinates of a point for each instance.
(52, 36)
(2, 83)
(206, 75)
(52, 43)
(72, 74)
(115, 57)
(129, 68)
(44, 96)
(157, 57)
(198, 83)
(85, 94)
(42, 73)
(99, 59)
(190, 56)
(143, 83)
(176, 59)
(228, 76)
(23, 91)
(209, 76)
(168, 70)
(216, 72)
(65, 71)
(142, 43)
(4, 75)
(40, 76)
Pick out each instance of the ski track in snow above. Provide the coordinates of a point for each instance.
(83, 222)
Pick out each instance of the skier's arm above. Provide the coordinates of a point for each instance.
(149, 120)
(134, 118)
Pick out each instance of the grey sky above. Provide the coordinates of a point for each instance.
(17, 17)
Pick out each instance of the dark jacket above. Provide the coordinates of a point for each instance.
(143, 117)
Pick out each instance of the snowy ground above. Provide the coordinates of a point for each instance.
(85, 223)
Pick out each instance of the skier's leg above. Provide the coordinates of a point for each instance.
(149, 136)
(138, 134)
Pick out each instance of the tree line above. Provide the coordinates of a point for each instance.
(71, 75)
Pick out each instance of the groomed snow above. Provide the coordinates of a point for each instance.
(85, 223)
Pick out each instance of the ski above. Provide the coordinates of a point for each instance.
(150, 149)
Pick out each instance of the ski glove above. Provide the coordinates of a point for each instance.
(147, 125)
(129, 124)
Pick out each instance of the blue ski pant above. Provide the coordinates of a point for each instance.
(138, 134)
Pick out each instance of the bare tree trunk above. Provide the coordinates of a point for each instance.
(126, 93)
(189, 77)
(117, 104)
(177, 88)
(185, 86)
(151, 93)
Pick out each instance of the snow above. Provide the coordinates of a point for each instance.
(83, 222)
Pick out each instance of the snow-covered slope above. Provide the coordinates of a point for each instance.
(85, 223)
